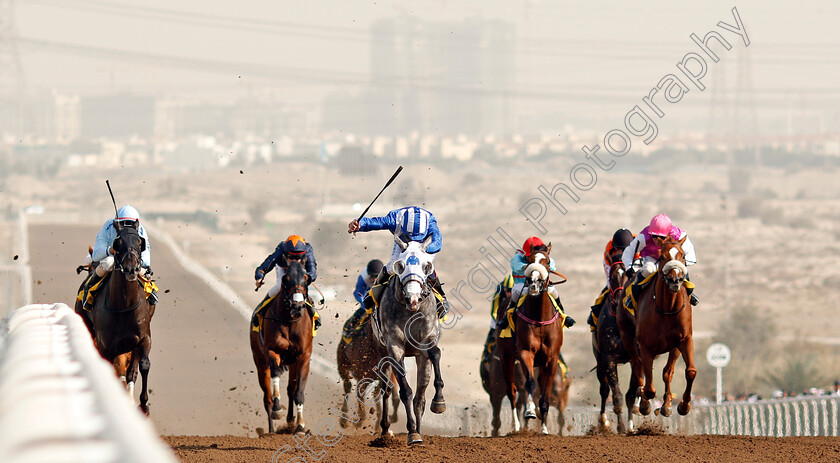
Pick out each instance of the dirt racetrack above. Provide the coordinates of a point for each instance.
(520, 448)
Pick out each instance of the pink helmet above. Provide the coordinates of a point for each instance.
(660, 225)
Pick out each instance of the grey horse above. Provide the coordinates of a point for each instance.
(407, 325)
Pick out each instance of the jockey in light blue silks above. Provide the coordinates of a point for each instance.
(409, 224)
(127, 216)
(518, 263)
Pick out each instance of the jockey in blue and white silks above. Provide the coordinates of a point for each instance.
(410, 223)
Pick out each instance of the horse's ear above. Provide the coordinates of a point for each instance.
(117, 225)
(426, 243)
(548, 248)
(403, 245)
(683, 240)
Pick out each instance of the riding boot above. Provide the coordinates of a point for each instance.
(442, 303)
(374, 296)
(596, 310)
(153, 298)
(489, 345)
(569, 321)
(313, 313)
(502, 321)
(92, 280)
(692, 298)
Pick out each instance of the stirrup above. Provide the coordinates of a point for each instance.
(693, 299)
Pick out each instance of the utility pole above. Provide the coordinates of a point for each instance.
(12, 83)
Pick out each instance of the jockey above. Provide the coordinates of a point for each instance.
(619, 242)
(517, 266)
(292, 248)
(410, 223)
(366, 279)
(127, 216)
(648, 243)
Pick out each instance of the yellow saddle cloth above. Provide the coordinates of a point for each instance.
(511, 328)
(635, 290)
(149, 287)
(260, 317)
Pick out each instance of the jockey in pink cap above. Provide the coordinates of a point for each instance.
(648, 243)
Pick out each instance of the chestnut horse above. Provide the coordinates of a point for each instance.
(121, 316)
(663, 324)
(285, 342)
(610, 351)
(539, 336)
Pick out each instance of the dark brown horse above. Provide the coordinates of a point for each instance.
(609, 349)
(285, 342)
(121, 316)
(539, 336)
(358, 360)
(663, 324)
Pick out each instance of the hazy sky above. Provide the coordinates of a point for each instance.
(607, 54)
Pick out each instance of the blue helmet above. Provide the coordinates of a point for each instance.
(413, 221)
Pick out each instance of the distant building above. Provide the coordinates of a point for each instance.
(117, 116)
(432, 77)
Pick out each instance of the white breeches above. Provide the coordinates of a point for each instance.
(275, 290)
(519, 288)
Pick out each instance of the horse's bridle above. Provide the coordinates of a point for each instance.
(613, 291)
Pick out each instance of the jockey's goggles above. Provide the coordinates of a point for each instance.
(658, 236)
(128, 223)
(296, 255)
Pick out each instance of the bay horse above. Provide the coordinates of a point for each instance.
(663, 324)
(539, 336)
(406, 323)
(285, 343)
(610, 349)
(358, 360)
(121, 316)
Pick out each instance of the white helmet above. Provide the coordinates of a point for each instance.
(127, 213)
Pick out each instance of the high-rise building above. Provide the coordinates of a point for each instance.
(433, 77)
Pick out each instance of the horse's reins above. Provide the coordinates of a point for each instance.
(544, 288)
(118, 266)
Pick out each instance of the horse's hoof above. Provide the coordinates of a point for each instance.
(414, 438)
(144, 409)
(276, 415)
(683, 408)
(530, 415)
(644, 408)
(438, 407)
(343, 422)
(665, 411)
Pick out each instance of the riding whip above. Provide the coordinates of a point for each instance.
(116, 213)
(381, 191)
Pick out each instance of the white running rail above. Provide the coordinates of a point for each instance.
(59, 401)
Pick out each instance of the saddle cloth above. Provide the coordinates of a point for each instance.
(511, 328)
(149, 287)
(636, 289)
(260, 317)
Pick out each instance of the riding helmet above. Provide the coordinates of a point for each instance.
(622, 238)
(294, 245)
(530, 244)
(660, 225)
(374, 267)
